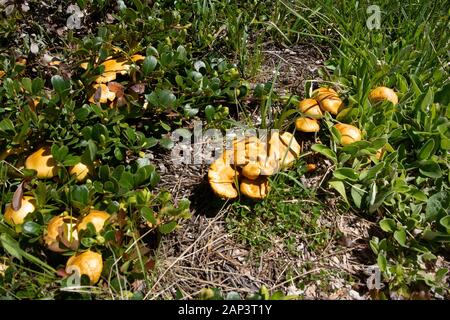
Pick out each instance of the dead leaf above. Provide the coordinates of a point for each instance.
(117, 88)
(118, 237)
(18, 195)
(150, 264)
(98, 94)
(138, 88)
(102, 94)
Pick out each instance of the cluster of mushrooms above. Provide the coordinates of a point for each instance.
(106, 90)
(327, 100)
(62, 231)
(245, 168)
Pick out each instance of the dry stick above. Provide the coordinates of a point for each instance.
(183, 255)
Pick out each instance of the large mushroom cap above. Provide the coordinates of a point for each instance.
(349, 133)
(80, 171)
(383, 93)
(61, 229)
(310, 107)
(307, 124)
(255, 189)
(43, 163)
(284, 148)
(96, 217)
(17, 217)
(222, 177)
(251, 170)
(247, 150)
(88, 263)
(328, 100)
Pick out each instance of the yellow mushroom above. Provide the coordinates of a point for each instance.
(88, 263)
(17, 217)
(383, 93)
(80, 171)
(254, 189)
(61, 229)
(96, 217)
(110, 69)
(310, 107)
(251, 170)
(222, 177)
(42, 162)
(349, 133)
(247, 150)
(307, 124)
(288, 148)
(328, 100)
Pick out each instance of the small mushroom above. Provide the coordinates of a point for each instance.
(43, 163)
(80, 171)
(61, 229)
(255, 189)
(383, 93)
(17, 217)
(222, 177)
(88, 263)
(328, 100)
(349, 133)
(307, 124)
(96, 217)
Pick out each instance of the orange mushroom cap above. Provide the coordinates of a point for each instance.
(89, 263)
(383, 93)
(284, 148)
(17, 217)
(349, 133)
(222, 176)
(96, 217)
(328, 100)
(255, 189)
(61, 229)
(307, 124)
(42, 162)
(80, 171)
(310, 107)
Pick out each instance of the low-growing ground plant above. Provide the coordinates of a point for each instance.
(97, 90)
